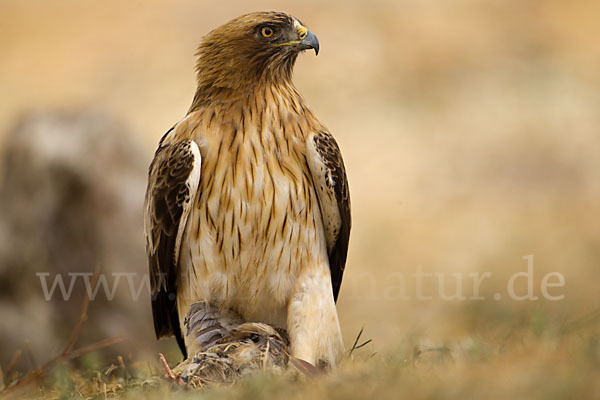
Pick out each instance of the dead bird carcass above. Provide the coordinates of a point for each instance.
(226, 348)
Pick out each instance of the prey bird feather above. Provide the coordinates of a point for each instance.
(247, 205)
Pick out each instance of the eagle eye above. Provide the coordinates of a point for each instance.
(267, 31)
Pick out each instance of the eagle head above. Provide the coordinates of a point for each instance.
(251, 50)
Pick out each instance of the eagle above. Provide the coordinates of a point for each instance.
(247, 208)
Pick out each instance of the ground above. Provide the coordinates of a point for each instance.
(526, 359)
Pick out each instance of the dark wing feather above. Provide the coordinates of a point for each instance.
(331, 184)
(172, 185)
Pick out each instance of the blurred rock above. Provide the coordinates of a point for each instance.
(71, 198)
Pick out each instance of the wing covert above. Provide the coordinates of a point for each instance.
(173, 180)
(331, 184)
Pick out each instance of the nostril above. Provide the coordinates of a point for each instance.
(302, 32)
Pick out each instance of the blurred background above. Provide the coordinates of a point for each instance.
(470, 132)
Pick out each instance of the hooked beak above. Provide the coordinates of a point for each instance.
(306, 40)
(310, 41)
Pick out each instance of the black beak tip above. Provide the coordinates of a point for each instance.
(310, 42)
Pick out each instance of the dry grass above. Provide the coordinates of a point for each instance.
(470, 134)
(525, 364)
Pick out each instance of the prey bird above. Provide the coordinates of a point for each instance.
(247, 207)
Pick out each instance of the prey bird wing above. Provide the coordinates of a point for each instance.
(172, 185)
(331, 185)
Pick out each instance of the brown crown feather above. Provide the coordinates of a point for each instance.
(234, 58)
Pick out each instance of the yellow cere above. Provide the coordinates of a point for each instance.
(302, 31)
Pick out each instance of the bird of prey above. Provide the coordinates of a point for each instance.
(247, 207)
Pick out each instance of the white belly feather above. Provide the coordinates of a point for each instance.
(251, 231)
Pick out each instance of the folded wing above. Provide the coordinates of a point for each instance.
(172, 185)
(331, 184)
